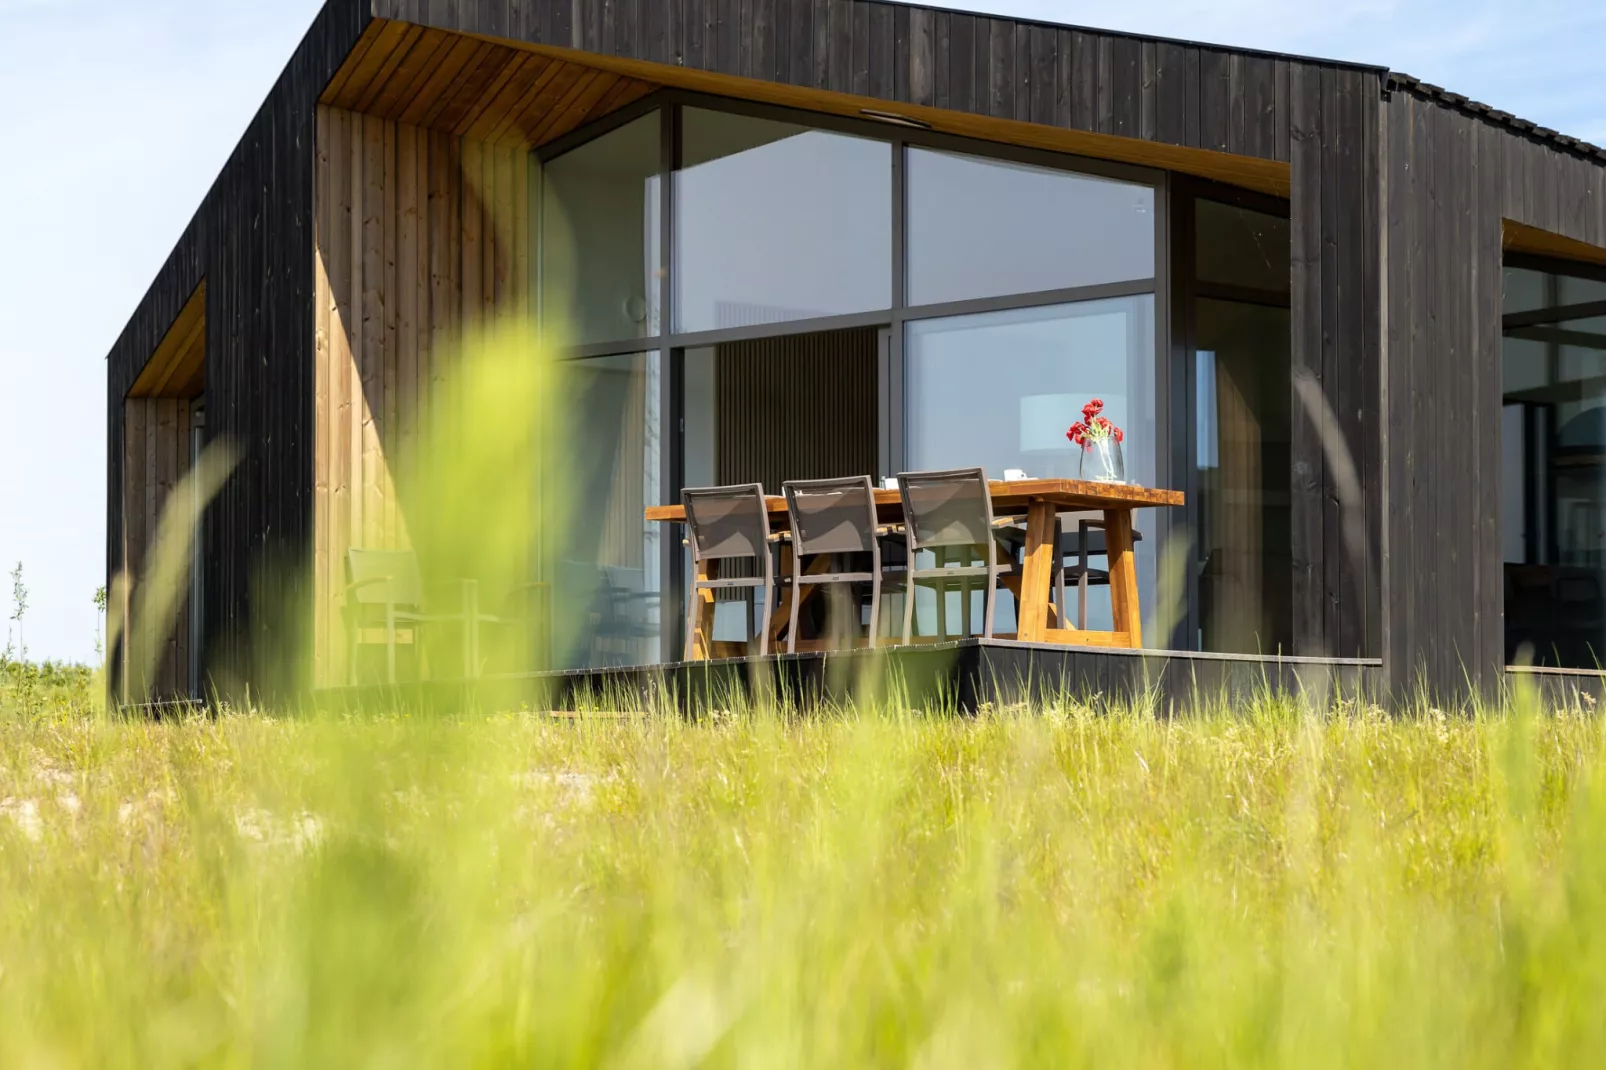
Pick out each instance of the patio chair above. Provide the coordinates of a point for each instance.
(385, 590)
(950, 514)
(727, 525)
(1088, 541)
(835, 517)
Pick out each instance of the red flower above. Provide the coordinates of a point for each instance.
(1094, 427)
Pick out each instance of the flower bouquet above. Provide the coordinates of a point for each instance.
(1100, 441)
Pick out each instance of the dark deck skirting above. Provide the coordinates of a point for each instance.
(967, 676)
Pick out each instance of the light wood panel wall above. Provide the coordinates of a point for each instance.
(156, 457)
(419, 233)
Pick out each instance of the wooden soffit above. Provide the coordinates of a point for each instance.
(177, 369)
(1265, 176)
(1521, 238)
(487, 90)
(513, 92)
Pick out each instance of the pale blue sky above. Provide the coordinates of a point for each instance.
(115, 116)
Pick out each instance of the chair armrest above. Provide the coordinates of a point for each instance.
(369, 582)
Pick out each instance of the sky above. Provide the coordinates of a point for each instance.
(115, 117)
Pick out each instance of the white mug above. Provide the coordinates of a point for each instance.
(1014, 475)
(889, 484)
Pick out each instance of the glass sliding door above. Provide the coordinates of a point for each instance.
(998, 390)
(1237, 319)
(605, 571)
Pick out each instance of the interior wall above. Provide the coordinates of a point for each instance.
(419, 233)
(799, 407)
(156, 458)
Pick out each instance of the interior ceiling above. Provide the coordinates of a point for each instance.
(485, 90)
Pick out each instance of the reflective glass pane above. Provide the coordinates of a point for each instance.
(600, 235)
(999, 390)
(605, 574)
(1525, 290)
(1553, 493)
(986, 228)
(1240, 247)
(777, 222)
(1242, 506)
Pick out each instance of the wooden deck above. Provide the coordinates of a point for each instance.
(963, 677)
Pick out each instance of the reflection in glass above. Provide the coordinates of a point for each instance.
(606, 572)
(986, 228)
(600, 234)
(1242, 357)
(1241, 247)
(999, 390)
(1553, 468)
(777, 222)
(1243, 452)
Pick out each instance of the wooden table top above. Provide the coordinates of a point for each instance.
(1008, 498)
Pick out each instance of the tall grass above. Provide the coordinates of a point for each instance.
(1040, 887)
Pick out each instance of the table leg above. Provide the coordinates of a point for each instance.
(1123, 575)
(703, 638)
(1038, 574)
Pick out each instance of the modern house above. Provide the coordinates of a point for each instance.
(1360, 321)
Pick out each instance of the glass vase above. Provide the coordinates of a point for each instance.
(1102, 461)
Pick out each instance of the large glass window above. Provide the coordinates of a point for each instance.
(777, 222)
(1553, 446)
(999, 389)
(600, 235)
(1004, 330)
(606, 579)
(986, 228)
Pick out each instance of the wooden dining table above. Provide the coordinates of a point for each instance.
(1040, 502)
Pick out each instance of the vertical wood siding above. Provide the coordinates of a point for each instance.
(419, 232)
(251, 241)
(1453, 178)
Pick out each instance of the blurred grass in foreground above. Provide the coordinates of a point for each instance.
(1046, 888)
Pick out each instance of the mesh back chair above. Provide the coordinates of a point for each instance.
(728, 524)
(385, 589)
(1089, 541)
(947, 513)
(835, 517)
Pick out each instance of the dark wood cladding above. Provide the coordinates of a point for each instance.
(251, 241)
(1319, 118)
(1174, 92)
(1456, 183)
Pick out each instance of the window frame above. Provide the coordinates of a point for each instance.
(671, 346)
